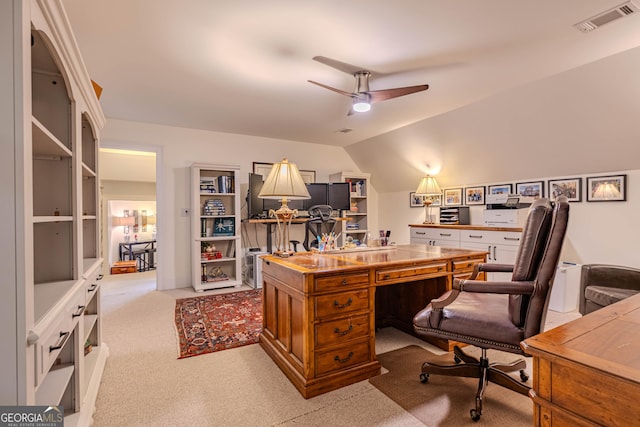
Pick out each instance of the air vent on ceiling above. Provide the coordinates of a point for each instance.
(620, 11)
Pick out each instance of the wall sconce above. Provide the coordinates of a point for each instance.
(151, 220)
(428, 187)
(284, 182)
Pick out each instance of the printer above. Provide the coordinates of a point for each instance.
(506, 210)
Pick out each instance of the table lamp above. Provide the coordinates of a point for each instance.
(284, 182)
(428, 187)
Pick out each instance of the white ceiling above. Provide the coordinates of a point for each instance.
(243, 66)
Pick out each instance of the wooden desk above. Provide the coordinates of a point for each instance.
(319, 310)
(587, 372)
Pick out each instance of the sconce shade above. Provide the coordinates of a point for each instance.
(284, 182)
(123, 220)
(151, 220)
(428, 187)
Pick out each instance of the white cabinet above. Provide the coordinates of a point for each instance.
(357, 225)
(215, 226)
(446, 237)
(500, 243)
(52, 118)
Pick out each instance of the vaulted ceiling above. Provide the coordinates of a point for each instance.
(242, 66)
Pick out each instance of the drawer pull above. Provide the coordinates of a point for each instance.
(100, 276)
(63, 339)
(344, 282)
(79, 312)
(345, 360)
(515, 239)
(420, 232)
(92, 288)
(475, 237)
(337, 331)
(338, 305)
(445, 234)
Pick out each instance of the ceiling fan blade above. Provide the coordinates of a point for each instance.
(384, 94)
(342, 66)
(341, 92)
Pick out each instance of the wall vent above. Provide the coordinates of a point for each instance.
(620, 11)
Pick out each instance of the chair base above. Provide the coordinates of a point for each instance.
(467, 366)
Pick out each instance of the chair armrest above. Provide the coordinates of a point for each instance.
(480, 286)
(495, 268)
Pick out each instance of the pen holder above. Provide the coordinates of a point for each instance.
(384, 241)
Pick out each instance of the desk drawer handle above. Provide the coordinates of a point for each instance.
(344, 282)
(345, 360)
(337, 331)
(63, 339)
(338, 305)
(79, 312)
(92, 288)
(515, 239)
(445, 234)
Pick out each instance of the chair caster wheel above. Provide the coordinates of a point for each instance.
(424, 378)
(523, 376)
(475, 416)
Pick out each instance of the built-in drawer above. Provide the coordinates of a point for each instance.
(50, 344)
(490, 237)
(341, 303)
(342, 358)
(329, 283)
(76, 306)
(92, 283)
(342, 330)
(435, 233)
(413, 272)
(466, 265)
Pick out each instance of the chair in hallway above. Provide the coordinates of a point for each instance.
(499, 314)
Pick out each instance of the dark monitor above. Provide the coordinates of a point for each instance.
(339, 196)
(318, 193)
(255, 206)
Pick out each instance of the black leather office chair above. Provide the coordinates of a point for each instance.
(499, 314)
(320, 221)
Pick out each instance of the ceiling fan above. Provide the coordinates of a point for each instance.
(362, 97)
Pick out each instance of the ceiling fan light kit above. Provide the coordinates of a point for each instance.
(362, 98)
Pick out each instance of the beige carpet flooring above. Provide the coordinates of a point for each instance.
(145, 385)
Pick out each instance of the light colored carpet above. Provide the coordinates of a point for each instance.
(145, 385)
(446, 401)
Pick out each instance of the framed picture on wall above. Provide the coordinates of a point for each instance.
(500, 189)
(308, 176)
(453, 197)
(435, 200)
(570, 187)
(533, 189)
(474, 195)
(415, 201)
(607, 188)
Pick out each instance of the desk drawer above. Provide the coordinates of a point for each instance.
(342, 358)
(342, 303)
(330, 283)
(342, 330)
(463, 266)
(394, 274)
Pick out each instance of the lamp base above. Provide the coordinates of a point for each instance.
(427, 212)
(283, 216)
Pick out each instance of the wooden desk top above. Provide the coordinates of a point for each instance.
(467, 227)
(309, 262)
(293, 221)
(606, 340)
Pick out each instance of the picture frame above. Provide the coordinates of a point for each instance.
(570, 187)
(500, 189)
(435, 200)
(261, 168)
(474, 195)
(453, 197)
(612, 188)
(533, 189)
(415, 201)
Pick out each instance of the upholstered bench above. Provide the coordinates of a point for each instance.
(602, 285)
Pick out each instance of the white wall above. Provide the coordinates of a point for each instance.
(178, 148)
(599, 232)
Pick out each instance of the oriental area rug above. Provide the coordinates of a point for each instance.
(218, 322)
(446, 401)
